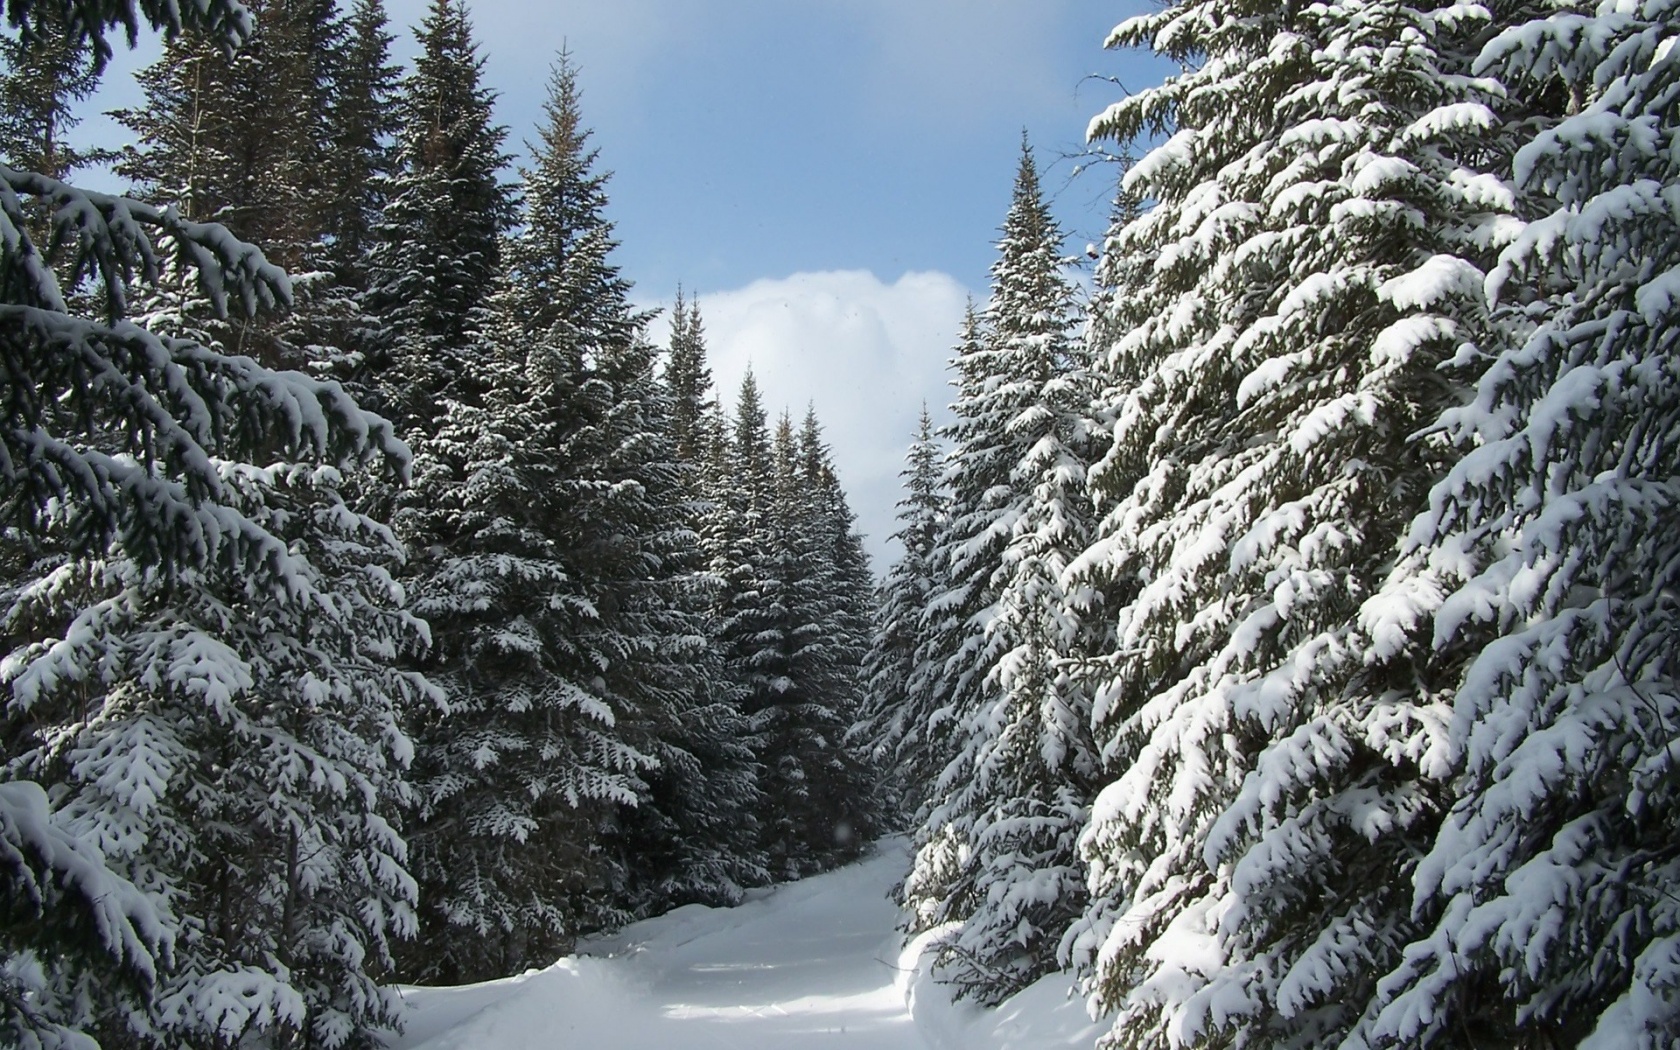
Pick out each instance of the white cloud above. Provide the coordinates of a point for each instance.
(864, 352)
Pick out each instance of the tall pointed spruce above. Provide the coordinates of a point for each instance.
(893, 724)
(998, 850)
(361, 120)
(569, 612)
(843, 780)
(936, 688)
(42, 77)
(1320, 226)
(200, 645)
(1547, 568)
(240, 137)
(689, 836)
(437, 251)
(690, 381)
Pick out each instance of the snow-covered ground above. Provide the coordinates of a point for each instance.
(811, 964)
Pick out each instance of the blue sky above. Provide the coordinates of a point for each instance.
(827, 175)
(752, 138)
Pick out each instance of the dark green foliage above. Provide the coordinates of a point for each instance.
(1321, 224)
(437, 254)
(688, 838)
(590, 768)
(146, 563)
(42, 76)
(794, 608)
(90, 21)
(997, 851)
(690, 382)
(79, 942)
(242, 138)
(361, 120)
(893, 724)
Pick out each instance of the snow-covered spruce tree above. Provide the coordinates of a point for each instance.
(240, 138)
(732, 478)
(42, 76)
(172, 594)
(721, 497)
(792, 626)
(1322, 217)
(741, 547)
(946, 627)
(230, 743)
(515, 777)
(737, 536)
(692, 835)
(300, 170)
(334, 325)
(620, 521)
(700, 440)
(1118, 270)
(437, 252)
(997, 852)
(892, 726)
(77, 941)
(361, 121)
(689, 837)
(689, 380)
(75, 937)
(1547, 567)
(499, 768)
(569, 612)
(847, 813)
(729, 551)
(786, 705)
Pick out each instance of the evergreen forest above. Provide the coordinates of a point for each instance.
(1285, 643)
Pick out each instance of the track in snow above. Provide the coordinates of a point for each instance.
(809, 964)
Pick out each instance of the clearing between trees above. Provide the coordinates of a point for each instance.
(815, 962)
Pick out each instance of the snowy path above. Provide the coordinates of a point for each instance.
(808, 965)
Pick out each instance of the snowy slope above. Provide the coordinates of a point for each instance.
(813, 963)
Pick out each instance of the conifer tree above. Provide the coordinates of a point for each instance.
(998, 849)
(719, 496)
(1544, 573)
(838, 605)
(784, 666)
(42, 76)
(231, 744)
(789, 660)
(689, 379)
(946, 625)
(568, 608)
(436, 255)
(530, 752)
(786, 636)
(737, 540)
(732, 554)
(690, 836)
(333, 324)
(361, 120)
(693, 837)
(528, 748)
(893, 726)
(185, 618)
(1322, 218)
(743, 472)
(240, 137)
